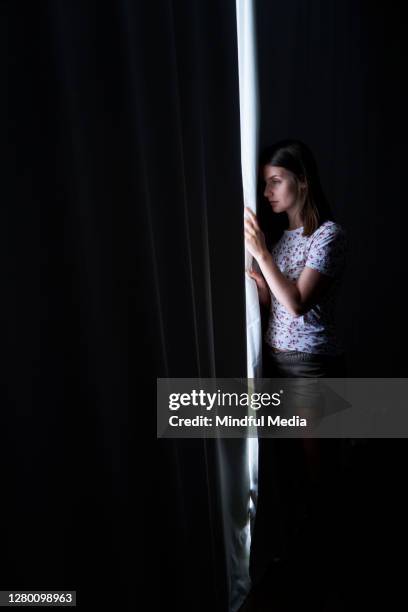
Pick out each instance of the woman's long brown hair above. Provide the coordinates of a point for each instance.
(295, 156)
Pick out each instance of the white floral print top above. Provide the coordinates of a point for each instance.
(314, 332)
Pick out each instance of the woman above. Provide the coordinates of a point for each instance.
(300, 277)
(297, 285)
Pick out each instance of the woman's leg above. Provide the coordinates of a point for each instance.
(282, 495)
(297, 477)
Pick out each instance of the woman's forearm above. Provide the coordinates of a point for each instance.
(284, 290)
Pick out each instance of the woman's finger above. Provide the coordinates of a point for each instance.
(250, 211)
(248, 223)
(252, 216)
(250, 229)
(258, 277)
(254, 276)
(252, 226)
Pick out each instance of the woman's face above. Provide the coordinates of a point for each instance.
(281, 189)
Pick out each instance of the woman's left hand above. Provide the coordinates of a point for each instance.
(254, 236)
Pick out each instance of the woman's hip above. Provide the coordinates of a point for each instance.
(297, 364)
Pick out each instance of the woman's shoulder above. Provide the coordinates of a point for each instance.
(327, 249)
(333, 226)
(330, 229)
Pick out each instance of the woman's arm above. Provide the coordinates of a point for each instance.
(264, 292)
(297, 297)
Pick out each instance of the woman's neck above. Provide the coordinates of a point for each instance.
(295, 220)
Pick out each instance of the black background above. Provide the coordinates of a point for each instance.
(122, 261)
(331, 74)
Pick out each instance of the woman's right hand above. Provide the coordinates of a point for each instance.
(262, 286)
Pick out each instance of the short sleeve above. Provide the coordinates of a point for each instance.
(327, 252)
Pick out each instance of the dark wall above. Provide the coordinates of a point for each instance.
(331, 74)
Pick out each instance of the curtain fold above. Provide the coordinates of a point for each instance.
(184, 83)
(127, 238)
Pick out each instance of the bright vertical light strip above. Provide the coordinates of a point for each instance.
(249, 124)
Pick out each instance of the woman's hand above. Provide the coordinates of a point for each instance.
(263, 289)
(254, 237)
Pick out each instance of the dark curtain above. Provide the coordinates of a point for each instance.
(185, 87)
(123, 261)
